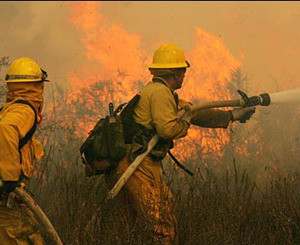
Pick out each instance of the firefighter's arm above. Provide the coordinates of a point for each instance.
(13, 127)
(164, 115)
(211, 118)
(208, 118)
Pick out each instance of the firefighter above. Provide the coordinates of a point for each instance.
(18, 149)
(146, 191)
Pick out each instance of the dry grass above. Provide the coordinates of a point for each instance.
(225, 205)
(226, 208)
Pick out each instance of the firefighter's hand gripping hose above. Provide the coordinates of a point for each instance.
(245, 101)
(242, 114)
(38, 212)
(8, 186)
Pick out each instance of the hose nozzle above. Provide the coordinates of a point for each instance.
(263, 99)
(266, 99)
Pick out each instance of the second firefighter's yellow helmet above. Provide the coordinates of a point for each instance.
(25, 69)
(169, 55)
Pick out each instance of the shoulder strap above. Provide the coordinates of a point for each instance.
(30, 133)
(129, 125)
(179, 164)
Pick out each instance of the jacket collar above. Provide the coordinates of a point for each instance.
(161, 80)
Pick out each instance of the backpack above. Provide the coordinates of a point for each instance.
(106, 144)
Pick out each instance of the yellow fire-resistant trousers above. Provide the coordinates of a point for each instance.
(18, 226)
(148, 194)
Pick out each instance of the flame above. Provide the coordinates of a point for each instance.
(116, 66)
(210, 72)
(112, 53)
(211, 67)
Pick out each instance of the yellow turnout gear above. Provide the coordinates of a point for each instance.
(15, 121)
(18, 226)
(157, 109)
(24, 82)
(146, 192)
(25, 69)
(169, 55)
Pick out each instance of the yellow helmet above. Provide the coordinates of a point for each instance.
(25, 69)
(169, 56)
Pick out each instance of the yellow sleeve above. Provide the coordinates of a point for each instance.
(14, 125)
(164, 115)
(211, 118)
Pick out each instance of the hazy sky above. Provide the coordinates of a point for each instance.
(265, 36)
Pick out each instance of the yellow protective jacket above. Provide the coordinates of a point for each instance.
(146, 191)
(15, 121)
(157, 109)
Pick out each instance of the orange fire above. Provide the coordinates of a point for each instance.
(112, 53)
(210, 72)
(116, 62)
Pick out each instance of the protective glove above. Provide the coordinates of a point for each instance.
(187, 119)
(182, 103)
(8, 186)
(242, 114)
(187, 116)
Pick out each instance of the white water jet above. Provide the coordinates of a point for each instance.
(288, 96)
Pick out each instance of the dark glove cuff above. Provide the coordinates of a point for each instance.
(188, 123)
(231, 116)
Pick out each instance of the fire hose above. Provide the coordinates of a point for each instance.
(38, 213)
(263, 100)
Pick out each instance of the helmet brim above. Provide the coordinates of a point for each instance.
(186, 64)
(26, 81)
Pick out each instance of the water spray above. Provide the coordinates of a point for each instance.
(288, 96)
